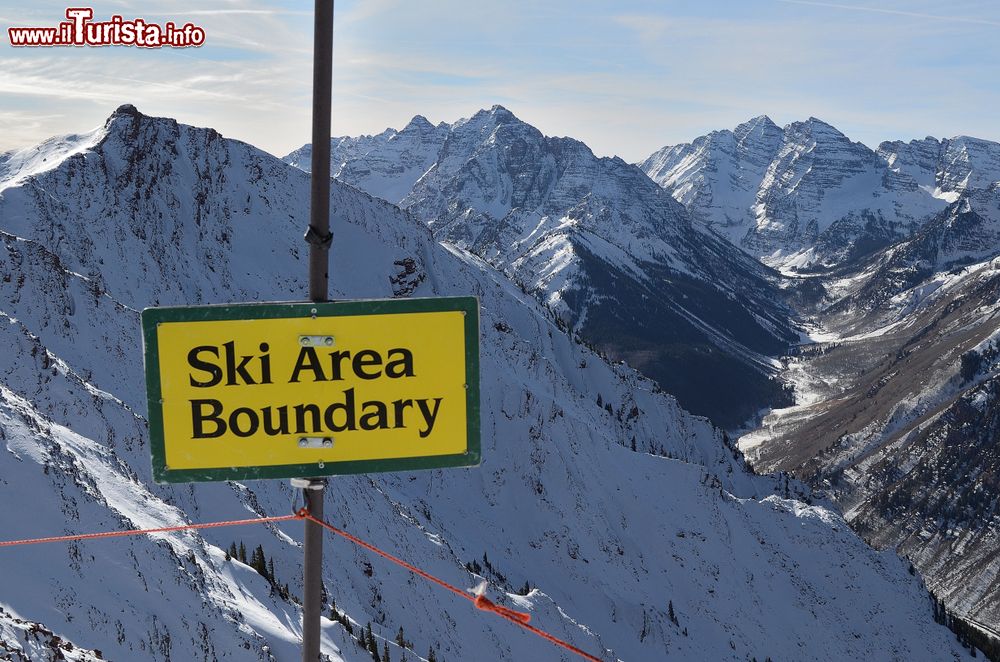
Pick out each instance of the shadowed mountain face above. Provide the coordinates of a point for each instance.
(615, 257)
(579, 455)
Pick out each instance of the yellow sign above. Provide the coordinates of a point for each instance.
(280, 390)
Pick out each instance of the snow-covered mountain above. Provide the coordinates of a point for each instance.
(387, 164)
(599, 243)
(611, 503)
(806, 196)
(943, 168)
(717, 177)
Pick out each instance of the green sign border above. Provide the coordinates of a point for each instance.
(151, 317)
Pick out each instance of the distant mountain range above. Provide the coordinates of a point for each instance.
(884, 269)
(807, 197)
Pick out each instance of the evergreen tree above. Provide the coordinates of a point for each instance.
(670, 612)
(258, 562)
(401, 639)
(431, 657)
(242, 556)
(270, 569)
(231, 553)
(385, 651)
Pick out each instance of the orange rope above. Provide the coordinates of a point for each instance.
(136, 532)
(480, 601)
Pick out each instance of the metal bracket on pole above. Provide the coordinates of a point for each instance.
(314, 238)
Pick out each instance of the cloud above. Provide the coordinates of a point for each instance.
(895, 12)
(649, 28)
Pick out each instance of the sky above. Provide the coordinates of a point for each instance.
(625, 77)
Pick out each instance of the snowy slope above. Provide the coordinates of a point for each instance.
(18, 165)
(608, 537)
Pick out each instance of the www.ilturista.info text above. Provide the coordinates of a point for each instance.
(81, 30)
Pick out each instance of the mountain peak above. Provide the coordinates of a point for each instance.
(757, 128)
(760, 120)
(497, 113)
(419, 122)
(125, 110)
(817, 129)
(496, 116)
(816, 123)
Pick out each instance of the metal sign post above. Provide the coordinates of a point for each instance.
(319, 238)
(312, 576)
